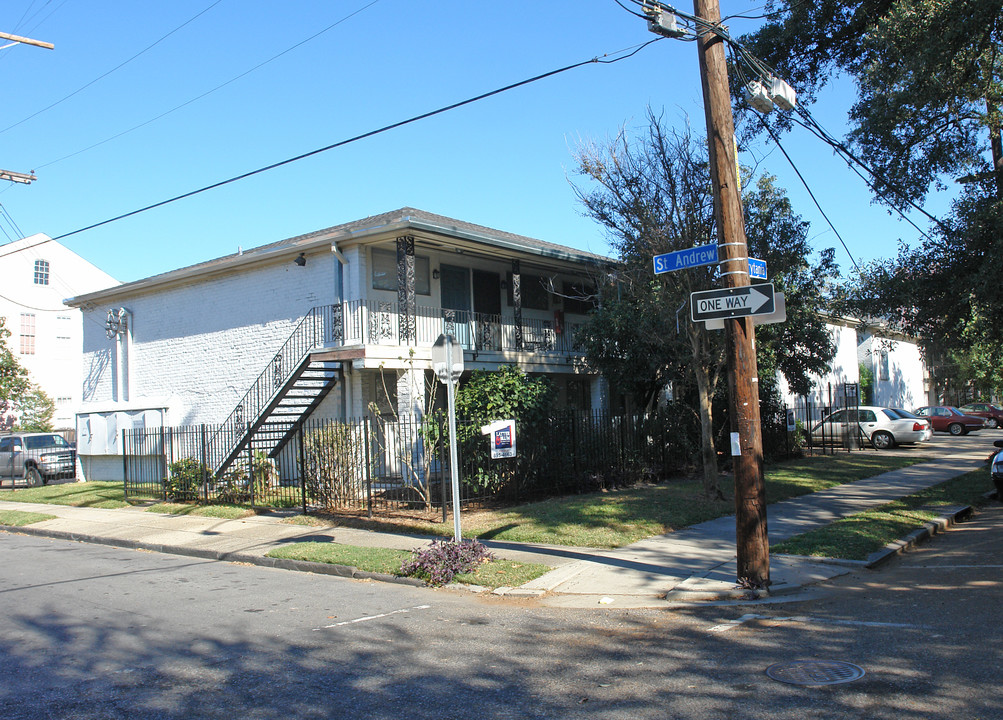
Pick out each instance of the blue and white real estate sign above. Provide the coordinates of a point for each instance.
(688, 258)
(699, 256)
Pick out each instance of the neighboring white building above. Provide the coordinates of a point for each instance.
(323, 325)
(46, 335)
(896, 364)
(900, 375)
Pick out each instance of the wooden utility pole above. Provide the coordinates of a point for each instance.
(10, 175)
(17, 39)
(743, 381)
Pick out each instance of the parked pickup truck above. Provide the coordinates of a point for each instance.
(35, 458)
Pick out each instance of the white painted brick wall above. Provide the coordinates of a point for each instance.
(206, 342)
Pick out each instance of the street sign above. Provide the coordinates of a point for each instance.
(683, 259)
(699, 256)
(732, 302)
(778, 315)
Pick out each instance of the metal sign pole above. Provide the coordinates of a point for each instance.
(454, 469)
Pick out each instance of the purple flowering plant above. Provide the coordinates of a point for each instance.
(438, 563)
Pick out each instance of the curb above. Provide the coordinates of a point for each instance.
(929, 529)
(345, 571)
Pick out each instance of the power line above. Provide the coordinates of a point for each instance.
(209, 92)
(117, 67)
(363, 136)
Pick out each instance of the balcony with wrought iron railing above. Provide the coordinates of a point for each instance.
(376, 322)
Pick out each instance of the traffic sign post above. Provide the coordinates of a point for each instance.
(732, 302)
(447, 361)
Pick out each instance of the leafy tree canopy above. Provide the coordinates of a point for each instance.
(35, 411)
(13, 377)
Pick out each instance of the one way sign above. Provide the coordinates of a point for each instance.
(732, 302)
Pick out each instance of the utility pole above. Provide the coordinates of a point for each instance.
(743, 381)
(10, 175)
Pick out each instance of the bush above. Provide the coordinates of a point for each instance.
(334, 457)
(441, 561)
(184, 478)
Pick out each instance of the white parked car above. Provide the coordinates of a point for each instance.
(883, 427)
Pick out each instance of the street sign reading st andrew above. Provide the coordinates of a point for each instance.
(732, 302)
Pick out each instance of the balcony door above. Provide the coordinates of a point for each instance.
(454, 284)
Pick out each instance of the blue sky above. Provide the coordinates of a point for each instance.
(504, 162)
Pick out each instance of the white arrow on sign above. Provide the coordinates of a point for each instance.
(732, 302)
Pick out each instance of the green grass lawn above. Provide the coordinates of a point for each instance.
(86, 494)
(493, 574)
(16, 518)
(857, 536)
(620, 517)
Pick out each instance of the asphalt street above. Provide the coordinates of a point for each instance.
(98, 632)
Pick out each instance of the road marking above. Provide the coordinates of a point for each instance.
(951, 567)
(732, 624)
(366, 618)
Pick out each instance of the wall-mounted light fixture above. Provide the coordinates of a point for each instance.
(300, 260)
(435, 274)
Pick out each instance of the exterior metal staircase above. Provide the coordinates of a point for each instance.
(291, 387)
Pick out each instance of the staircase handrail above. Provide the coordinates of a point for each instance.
(307, 335)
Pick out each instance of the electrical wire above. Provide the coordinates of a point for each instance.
(109, 72)
(810, 193)
(209, 92)
(363, 136)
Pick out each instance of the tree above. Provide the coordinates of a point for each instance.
(35, 410)
(13, 378)
(927, 74)
(655, 196)
(929, 81)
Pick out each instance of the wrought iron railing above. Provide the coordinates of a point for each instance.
(317, 328)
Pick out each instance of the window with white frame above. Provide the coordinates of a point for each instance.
(41, 272)
(27, 334)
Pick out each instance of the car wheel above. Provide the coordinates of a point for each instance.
(32, 477)
(956, 429)
(992, 423)
(882, 440)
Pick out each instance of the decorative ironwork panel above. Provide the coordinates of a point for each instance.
(490, 335)
(450, 325)
(517, 302)
(380, 325)
(338, 323)
(405, 288)
(238, 415)
(277, 370)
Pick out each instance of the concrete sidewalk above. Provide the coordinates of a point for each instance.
(693, 564)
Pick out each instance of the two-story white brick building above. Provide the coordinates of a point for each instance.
(323, 325)
(46, 335)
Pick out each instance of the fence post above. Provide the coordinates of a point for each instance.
(204, 489)
(302, 468)
(250, 463)
(367, 469)
(125, 469)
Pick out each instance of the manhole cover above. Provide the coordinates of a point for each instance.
(815, 672)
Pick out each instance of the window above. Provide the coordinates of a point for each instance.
(27, 334)
(385, 272)
(535, 295)
(578, 298)
(41, 272)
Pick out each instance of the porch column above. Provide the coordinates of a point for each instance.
(405, 289)
(517, 303)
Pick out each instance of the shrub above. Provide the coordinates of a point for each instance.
(333, 458)
(441, 561)
(184, 478)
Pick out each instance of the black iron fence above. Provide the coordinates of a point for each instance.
(374, 464)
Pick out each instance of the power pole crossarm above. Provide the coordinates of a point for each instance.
(26, 41)
(25, 178)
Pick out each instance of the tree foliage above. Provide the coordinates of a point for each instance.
(14, 381)
(927, 74)
(654, 195)
(34, 411)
